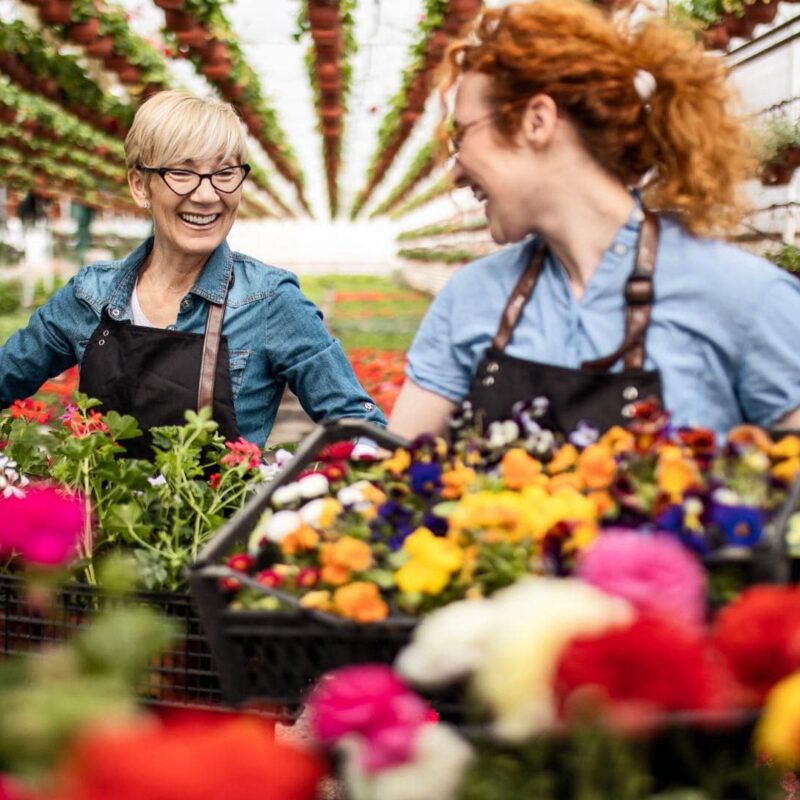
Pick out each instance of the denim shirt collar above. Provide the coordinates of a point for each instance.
(211, 284)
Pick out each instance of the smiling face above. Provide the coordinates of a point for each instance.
(500, 173)
(191, 225)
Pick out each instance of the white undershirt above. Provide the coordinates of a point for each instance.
(139, 317)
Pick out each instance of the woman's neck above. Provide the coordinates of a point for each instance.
(172, 273)
(581, 231)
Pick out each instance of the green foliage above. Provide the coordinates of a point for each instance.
(788, 258)
(440, 228)
(446, 256)
(10, 296)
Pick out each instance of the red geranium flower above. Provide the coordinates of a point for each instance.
(652, 666)
(186, 756)
(242, 452)
(759, 634)
(30, 410)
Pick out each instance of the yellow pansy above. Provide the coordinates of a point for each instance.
(787, 447)
(319, 600)
(675, 474)
(433, 560)
(399, 463)
(617, 440)
(778, 733)
(787, 469)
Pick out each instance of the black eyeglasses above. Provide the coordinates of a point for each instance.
(186, 181)
(457, 132)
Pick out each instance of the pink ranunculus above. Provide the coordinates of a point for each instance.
(44, 527)
(369, 700)
(655, 573)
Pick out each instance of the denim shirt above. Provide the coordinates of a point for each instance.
(724, 330)
(275, 337)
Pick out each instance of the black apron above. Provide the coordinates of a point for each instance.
(590, 393)
(155, 375)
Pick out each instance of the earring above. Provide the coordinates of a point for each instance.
(146, 205)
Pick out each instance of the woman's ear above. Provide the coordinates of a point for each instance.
(139, 190)
(539, 120)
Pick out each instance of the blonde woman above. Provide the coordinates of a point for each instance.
(183, 321)
(610, 296)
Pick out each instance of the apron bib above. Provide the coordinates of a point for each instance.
(591, 393)
(155, 375)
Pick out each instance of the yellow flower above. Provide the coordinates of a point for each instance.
(569, 479)
(360, 601)
(597, 467)
(675, 474)
(787, 447)
(319, 600)
(433, 560)
(777, 735)
(398, 463)
(786, 470)
(617, 440)
(519, 469)
(564, 459)
(455, 481)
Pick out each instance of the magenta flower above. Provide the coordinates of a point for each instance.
(655, 573)
(371, 701)
(44, 528)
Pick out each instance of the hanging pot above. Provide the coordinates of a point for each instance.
(331, 113)
(436, 45)
(234, 92)
(7, 114)
(215, 52)
(130, 75)
(409, 116)
(194, 37)
(322, 16)
(50, 88)
(465, 9)
(716, 37)
(216, 72)
(740, 27)
(179, 20)
(85, 32)
(56, 12)
(779, 173)
(100, 48)
(761, 13)
(116, 62)
(174, 5)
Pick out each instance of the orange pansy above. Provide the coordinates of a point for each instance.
(361, 602)
(597, 467)
(519, 469)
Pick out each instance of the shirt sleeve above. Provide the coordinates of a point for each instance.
(768, 381)
(432, 359)
(311, 361)
(40, 350)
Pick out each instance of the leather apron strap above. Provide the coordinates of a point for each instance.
(639, 297)
(208, 364)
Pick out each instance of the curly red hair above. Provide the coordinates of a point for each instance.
(694, 153)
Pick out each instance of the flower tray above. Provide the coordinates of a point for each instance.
(275, 657)
(184, 674)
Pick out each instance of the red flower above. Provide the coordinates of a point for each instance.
(44, 527)
(269, 578)
(30, 410)
(186, 756)
(242, 452)
(651, 666)
(241, 562)
(338, 451)
(79, 425)
(334, 471)
(308, 577)
(214, 479)
(759, 634)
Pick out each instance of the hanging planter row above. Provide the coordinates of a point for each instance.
(330, 73)
(421, 166)
(778, 149)
(442, 186)
(253, 208)
(258, 177)
(443, 20)
(201, 31)
(448, 227)
(41, 69)
(104, 33)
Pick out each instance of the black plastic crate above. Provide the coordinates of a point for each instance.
(275, 657)
(183, 674)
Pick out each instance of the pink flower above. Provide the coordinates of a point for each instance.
(655, 573)
(44, 527)
(242, 452)
(369, 700)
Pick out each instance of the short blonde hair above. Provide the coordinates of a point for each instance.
(174, 126)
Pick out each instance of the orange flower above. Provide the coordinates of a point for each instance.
(564, 459)
(455, 481)
(519, 469)
(570, 479)
(787, 469)
(617, 440)
(597, 467)
(675, 474)
(750, 436)
(339, 559)
(787, 447)
(603, 501)
(304, 538)
(361, 602)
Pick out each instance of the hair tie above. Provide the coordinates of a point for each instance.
(645, 85)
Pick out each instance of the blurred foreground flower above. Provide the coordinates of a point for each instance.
(186, 756)
(45, 527)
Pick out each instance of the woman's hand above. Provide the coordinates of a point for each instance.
(418, 410)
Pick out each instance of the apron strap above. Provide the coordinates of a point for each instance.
(522, 291)
(211, 340)
(639, 297)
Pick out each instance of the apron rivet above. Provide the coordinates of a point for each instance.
(101, 342)
(105, 333)
(630, 393)
(488, 380)
(492, 366)
(628, 410)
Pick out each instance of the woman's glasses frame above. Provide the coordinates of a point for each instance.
(163, 173)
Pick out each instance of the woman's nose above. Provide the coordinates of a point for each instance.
(458, 174)
(205, 192)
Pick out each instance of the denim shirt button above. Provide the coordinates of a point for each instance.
(368, 406)
(114, 312)
(186, 303)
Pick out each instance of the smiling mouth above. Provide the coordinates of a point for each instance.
(200, 220)
(480, 195)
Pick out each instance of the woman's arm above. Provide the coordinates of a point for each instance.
(418, 410)
(790, 421)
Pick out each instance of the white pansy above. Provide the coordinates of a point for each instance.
(314, 485)
(268, 471)
(448, 644)
(353, 495)
(13, 491)
(502, 433)
(726, 497)
(283, 457)
(158, 480)
(285, 495)
(437, 769)
(281, 524)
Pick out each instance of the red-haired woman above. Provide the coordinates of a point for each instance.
(560, 112)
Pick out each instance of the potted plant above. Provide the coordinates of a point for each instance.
(84, 32)
(760, 12)
(778, 148)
